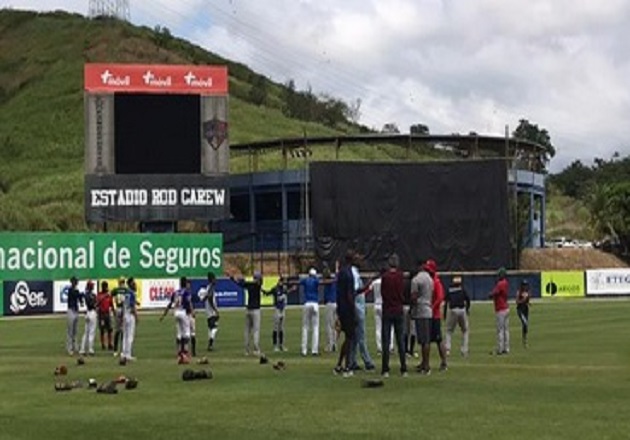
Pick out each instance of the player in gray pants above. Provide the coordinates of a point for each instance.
(456, 311)
(74, 298)
(252, 316)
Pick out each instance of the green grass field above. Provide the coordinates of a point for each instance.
(572, 383)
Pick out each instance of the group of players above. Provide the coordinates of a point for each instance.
(407, 311)
(121, 303)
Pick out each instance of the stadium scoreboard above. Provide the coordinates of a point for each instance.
(156, 142)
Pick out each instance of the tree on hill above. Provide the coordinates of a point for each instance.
(420, 129)
(531, 132)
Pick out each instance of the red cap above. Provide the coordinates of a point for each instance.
(430, 266)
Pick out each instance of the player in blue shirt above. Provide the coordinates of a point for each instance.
(310, 311)
(181, 302)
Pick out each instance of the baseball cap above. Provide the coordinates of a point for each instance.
(257, 275)
(430, 266)
(312, 272)
(457, 280)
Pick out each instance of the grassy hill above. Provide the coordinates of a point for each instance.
(41, 110)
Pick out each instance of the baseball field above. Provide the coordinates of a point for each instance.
(573, 382)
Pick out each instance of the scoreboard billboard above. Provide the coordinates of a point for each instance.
(156, 142)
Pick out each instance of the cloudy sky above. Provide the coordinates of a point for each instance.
(454, 65)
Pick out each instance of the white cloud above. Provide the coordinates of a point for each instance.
(455, 65)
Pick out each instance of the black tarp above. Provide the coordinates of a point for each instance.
(453, 212)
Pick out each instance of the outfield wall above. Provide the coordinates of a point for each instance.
(35, 269)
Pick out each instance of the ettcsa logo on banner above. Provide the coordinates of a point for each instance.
(28, 297)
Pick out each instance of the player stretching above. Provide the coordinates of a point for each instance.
(279, 293)
(181, 302)
(207, 296)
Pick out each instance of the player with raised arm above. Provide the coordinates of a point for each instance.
(181, 302)
(252, 316)
(279, 293)
(208, 298)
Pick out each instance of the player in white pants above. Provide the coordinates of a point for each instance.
(181, 301)
(208, 298)
(87, 343)
(310, 312)
(375, 288)
(130, 317)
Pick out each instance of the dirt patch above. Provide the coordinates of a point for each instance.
(568, 259)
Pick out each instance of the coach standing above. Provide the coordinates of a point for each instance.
(346, 313)
(392, 292)
(499, 296)
(74, 298)
(422, 313)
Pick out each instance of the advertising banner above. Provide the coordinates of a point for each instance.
(33, 256)
(2, 298)
(27, 298)
(155, 197)
(607, 282)
(60, 301)
(155, 78)
(156, 293)
(268, 284)
(562, 284)
(229, 294)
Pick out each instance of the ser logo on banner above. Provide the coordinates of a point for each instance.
(27, 298)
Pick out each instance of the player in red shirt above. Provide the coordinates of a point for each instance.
(104, 307)
(436, 306)
(499, 296)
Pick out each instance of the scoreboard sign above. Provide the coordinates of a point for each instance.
(157, 142)
(153, 198)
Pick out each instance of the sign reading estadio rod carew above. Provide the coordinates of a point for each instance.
(36, 256)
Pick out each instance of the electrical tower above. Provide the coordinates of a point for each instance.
(109, 8)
